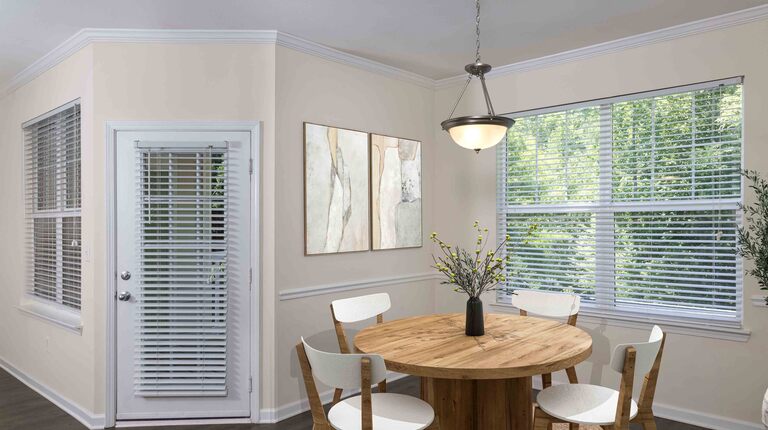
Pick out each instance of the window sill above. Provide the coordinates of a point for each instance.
(670, 326)
(53, 314)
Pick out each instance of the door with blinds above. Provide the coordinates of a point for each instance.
(184, 274)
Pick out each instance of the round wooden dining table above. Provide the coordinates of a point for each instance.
(479, 382)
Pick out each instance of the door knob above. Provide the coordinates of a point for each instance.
(124, 296)
(125, 275)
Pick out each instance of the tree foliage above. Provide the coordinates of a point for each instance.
(675, 148)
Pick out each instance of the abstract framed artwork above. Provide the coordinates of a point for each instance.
(395, 193)
(336, 190)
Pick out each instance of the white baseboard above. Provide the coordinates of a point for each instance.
(182, 422)
(687, 416)
(697, 418)
(703, 419)
(302, 405)
(76, 411)
(267, 416)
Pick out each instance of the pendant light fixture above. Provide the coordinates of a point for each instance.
(479, 131)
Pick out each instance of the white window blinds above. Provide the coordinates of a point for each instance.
(631, 202)
(182, 242)
(52, 193)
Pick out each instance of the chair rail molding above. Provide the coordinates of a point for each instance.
(759, 300)
(317, 290)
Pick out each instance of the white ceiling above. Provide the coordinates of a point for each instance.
(434, 38)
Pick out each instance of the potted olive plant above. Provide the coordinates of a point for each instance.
(753, 241)
(473, 273)
(753, 237)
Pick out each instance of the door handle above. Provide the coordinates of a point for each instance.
(124, 296)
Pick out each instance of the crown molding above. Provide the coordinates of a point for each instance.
(695, 27)
(313, 48)
(87, 36)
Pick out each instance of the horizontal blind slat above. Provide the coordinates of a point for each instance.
(651, 185)
(182, 199)
(52, 169)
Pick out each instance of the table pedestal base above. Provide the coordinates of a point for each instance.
(482, 404)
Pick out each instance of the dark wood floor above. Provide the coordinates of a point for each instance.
(23, 409)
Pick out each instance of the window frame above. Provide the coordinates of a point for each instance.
(604, 309)
(54, 309)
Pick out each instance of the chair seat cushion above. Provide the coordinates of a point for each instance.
(582, 403)
(390, 412)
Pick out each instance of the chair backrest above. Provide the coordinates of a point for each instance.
(646, 353)
(637, 361)
(360, 308)
(546, 304)
(343, 370)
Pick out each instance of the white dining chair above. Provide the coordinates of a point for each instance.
(356, 309)
(550, 305)
(612, 409)
(367, 411)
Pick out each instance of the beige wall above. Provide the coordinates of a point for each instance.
(182, 82)
(282, 88)
(207, 82)
(55, 357)
(708, 376)
(320, 91)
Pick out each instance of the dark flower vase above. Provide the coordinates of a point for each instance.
(474, 325)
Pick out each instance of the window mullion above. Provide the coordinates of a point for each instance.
(604, 222)
(59, 260)
(59, 203)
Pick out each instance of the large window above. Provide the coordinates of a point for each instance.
(52, 191)
(630, 202)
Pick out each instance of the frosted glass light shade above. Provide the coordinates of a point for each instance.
(477, 136)
(477, 132)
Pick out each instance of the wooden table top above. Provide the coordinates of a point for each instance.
(513, 346)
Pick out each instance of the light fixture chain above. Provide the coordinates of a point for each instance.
(477, 131)
(477, 31)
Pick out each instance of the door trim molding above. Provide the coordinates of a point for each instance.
(110, 195)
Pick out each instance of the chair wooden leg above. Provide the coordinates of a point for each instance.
(573, 426)
(541, 420)
(572, 378)
(546, 380)
(383, 387)
(649, 424)
(337, 395)
(541, 424)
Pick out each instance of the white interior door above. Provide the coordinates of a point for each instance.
(184, 274)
